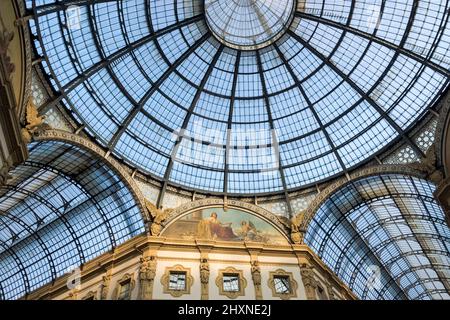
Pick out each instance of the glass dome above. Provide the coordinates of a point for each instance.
(174, 89)
(248, 24)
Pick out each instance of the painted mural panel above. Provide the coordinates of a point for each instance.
(229, 225)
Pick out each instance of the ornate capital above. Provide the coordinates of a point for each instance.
(147, 273)
(309, 281)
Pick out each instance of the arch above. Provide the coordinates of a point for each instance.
(384, 226)
(252, 209)
(443, 134)
(63, 207)
(306, 216)
(59, 135)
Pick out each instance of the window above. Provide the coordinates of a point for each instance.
(282, 284)
(231, 283)
(124, 290)
(124, 287)
(321, 295)
(90, 295)
(177, 281)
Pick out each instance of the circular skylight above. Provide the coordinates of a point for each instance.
(151, 82)
(248, 24)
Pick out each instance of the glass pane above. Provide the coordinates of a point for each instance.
(231, 283)
(177, 281)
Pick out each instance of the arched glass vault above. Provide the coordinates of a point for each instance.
(386, 237)
(338, 82)
(63, 207)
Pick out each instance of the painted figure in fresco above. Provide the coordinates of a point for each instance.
(248, 231)
(212, 228)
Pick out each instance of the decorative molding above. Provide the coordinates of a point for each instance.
(26, 39)
(282, 256)
(213, 202)
(442, 127)
(256, 277)
(204, 278)
(73, 294)
(33, 122)
(147, 274)
(242, 282)
(293, 286)
(106, 279)
(91, 295)
(442, 195)
(158, 217)
(4, 171)
(127, 277)
(305, 217)
(59, 135)
(5, 39)
(188, 282)
(309, 281)
(330, 291)
(321, 292)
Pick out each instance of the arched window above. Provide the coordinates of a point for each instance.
(386, 237)
(62, 207)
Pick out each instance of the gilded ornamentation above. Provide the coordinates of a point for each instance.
(242, 282)
(189, 280)
(34, 122)
(292, 293)
(147, 273)
(204, 278)
(296, 233)
(256, 277)
(158, 217)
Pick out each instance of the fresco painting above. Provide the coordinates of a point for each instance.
(229, 225)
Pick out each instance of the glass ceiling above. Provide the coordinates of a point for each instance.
(248, 24)
(336, 83)
(62, 208)
(386, 238)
